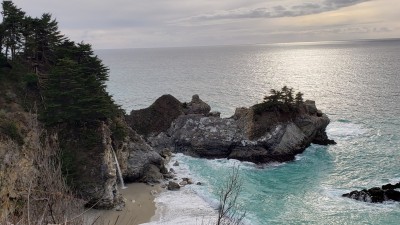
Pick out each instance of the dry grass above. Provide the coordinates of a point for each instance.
(44, 197)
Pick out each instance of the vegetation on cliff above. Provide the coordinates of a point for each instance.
(66, 76)
(283, 101)
(62, 84)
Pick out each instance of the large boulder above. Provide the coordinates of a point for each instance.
(156, 118)
(173, 186)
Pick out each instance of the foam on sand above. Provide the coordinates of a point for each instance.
(183, 207)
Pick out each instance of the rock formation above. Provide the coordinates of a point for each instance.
(377, 194)
(156, 118)
(249, 135)
(159, 116)
(137, 158)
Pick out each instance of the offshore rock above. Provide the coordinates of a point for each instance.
(376, 194)
(249, 135)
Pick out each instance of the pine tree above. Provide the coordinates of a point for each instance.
(12, 28)
(75, 90)
(299, 98)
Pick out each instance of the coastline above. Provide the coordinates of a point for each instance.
(182, 207)
(139, 206)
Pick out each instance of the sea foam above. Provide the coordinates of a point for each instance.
(345, 129)
(186, 206)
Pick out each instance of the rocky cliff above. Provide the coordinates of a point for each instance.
(249, 135)
(38, 160)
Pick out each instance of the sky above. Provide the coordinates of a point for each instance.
(110, 24)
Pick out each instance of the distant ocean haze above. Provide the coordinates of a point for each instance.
(355, 82)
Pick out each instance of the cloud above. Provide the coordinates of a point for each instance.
(160, 23)
(277, 11)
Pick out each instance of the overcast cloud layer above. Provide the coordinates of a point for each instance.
(276, 11)
(166, 23)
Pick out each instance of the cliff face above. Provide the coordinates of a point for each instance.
(136, 157)
(89, 163)
(35, 158)
(248, 136)
(30, 168)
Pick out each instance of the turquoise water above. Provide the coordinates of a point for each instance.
(356, 83)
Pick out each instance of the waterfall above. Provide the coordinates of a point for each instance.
(119, 170)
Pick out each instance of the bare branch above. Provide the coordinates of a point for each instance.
(228, 211)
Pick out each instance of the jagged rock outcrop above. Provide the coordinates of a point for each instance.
(156, 118)
(249, 135)
(137, 158)
(387, 192)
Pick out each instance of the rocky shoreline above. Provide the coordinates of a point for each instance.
(144, 141)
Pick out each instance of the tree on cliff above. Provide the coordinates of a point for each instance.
(12, 25)
(71, 78)
(299, 98)
(42, 38)
(282, 100)
(75, 88)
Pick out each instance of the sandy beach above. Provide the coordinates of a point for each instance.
(139, 206)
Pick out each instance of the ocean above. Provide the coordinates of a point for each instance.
(356, 83)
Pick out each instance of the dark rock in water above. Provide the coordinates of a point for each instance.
(173, 186)
(187, 180)
(198, 183)
(376, 194)
(391, 186)
(169, 176)
(176, 163)
(393, 195)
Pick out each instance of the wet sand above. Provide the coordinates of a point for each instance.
(139, 207)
